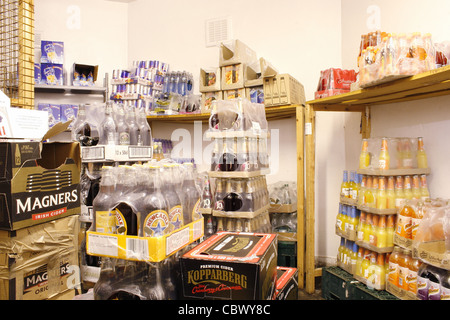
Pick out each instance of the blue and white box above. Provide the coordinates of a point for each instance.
(52, 52)
(52, 74)
(53, 110)
(68, 112)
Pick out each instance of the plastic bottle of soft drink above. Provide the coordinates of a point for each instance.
(191, 196)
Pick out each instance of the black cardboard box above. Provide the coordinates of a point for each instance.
(231, 266)
(287, 284)
(39, 181)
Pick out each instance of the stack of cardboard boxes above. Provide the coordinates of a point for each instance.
(39, 207)
(241, 74)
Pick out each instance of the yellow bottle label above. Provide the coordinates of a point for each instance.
(121, 224)
(105, 221)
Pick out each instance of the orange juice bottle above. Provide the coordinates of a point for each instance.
(407, 161)
(414, 266)
(399, 192)
(416, 188)
(386, 266)
(374, 230)
(361, 191)
(345, 187)
(364, 157)
(375, 184)
(372, 278)
(368, 194)
(416, 218)
(365, 264)
(384, 158)
(403, 269)
(421, 155)
(341, 251)
(359, 260)
(381, 194)
(390, 194)
(380, 272)
(367, 228)
(399, 154)
(404, 222)
(390, 226)
(393, 266)
(339, 217)
(352, 189)
(407, 188)
(424, 192)
(361, 226)
(344, 217)
(382, 233)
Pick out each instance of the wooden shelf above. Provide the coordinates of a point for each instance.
(424, 85)
(272, 113)
(429, 84)
(69, 89)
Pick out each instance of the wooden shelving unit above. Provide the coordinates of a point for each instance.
(272, 113)
(429, 84)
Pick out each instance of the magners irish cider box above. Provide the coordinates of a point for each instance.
(39, 181)
(231, 266)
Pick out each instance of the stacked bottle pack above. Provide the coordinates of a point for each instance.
(241, 199)
(372, 196)
(283, 210)
(144, 201)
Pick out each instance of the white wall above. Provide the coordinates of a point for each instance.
(427, 118)
(94, 32)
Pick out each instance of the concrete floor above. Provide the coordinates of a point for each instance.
(317, 295)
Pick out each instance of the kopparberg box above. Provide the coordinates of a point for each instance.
(40, 262)
(233, 77)
(231, 266)
(234, 52)
(39, 181)
(287, 284)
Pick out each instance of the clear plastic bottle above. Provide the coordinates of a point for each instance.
(123, 131)
(108, 126)
(130, 119)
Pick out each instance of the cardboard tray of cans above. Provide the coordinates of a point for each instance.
(153, 249)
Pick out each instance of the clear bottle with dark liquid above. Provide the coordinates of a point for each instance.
(191, 195)
(82, 130)
(219, 195)
(233, 199)
(229, 156)
(154, 288)
(126, 213)
(135, 132)
(174, 204)
(104, 215)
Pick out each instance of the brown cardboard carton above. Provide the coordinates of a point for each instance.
(235, 52)
(39, 181)
(231, 266)
(283, 89)
(210, 80)
(208, 98)
(233, 77)
(36, 262)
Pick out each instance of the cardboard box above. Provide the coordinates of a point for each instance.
(235, 52)
(81, 75)
(255, 94)
(68, 112)
(231, 266)
(234, 94)
(283, 89)
(52, 52)
(233, 77)
(54, 112)
(37, 262)
(255, 72)
(287, 284)
(210, 80)
(52, 74)
(39, 182)
(208, 98)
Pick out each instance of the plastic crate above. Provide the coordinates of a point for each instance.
(287, 254)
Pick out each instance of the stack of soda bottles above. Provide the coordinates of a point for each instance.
(145, 200)
(239, 160)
